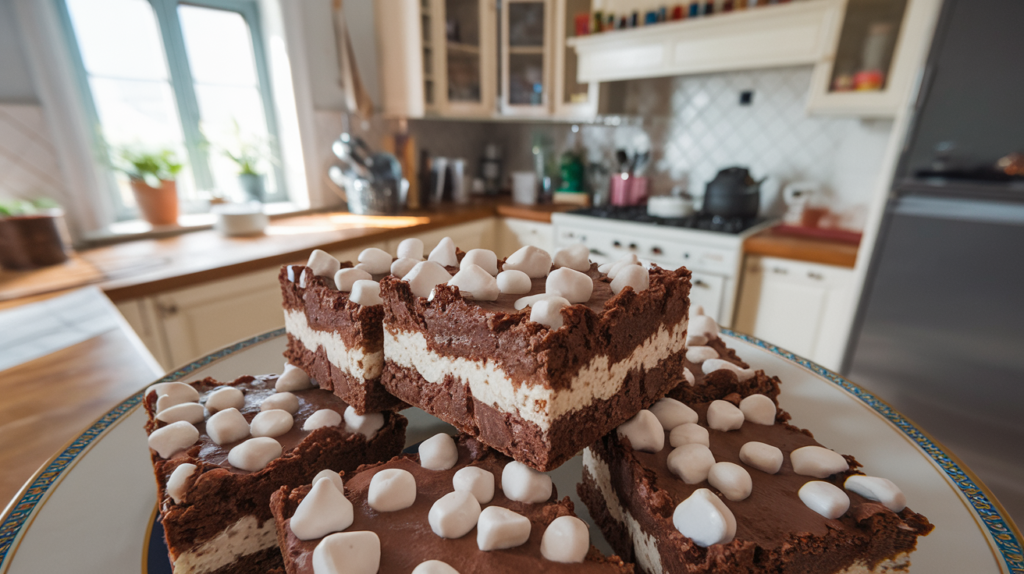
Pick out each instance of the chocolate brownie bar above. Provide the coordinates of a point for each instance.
(780, 502)
(506, 536)
(220, 449)
(540, 383)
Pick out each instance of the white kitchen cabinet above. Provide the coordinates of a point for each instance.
(514, 233)
(796, 305)
(708, 291)
(141, 314)
(459, 57)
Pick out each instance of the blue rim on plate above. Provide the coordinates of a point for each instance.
(1006, 537)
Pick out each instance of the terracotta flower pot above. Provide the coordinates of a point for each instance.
(158, 205)
(30, 241)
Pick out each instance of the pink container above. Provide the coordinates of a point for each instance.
(627, 191)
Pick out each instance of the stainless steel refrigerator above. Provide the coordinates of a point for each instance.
(940, 329)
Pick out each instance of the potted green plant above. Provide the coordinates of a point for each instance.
(249, 153)
(32, 234)
(152, 175)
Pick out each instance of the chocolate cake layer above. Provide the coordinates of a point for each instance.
(537, 394)
(632, 496)
(336, 341)
(225, 509)
(406, 537)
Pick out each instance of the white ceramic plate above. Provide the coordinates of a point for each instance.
(91, 508)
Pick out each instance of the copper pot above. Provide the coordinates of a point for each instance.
(158, 205)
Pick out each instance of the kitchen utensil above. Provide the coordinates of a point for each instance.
(733, 193)
(797, 196)
(372, 182)
(669, 207)
(239, 219)
(524, 187)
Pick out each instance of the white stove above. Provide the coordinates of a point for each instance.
(714, 257)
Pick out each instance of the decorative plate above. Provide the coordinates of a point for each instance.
(91, 508)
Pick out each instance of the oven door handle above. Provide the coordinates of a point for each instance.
(598, 252)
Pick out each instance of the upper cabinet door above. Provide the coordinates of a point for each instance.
(877, 56)
(525, 57)
(570, 97)
(460, 62)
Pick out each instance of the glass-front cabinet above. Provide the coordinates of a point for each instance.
(876, 50)
(525, 57)
(459, 57)
(570, 97)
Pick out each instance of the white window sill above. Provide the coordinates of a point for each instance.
(187, 222)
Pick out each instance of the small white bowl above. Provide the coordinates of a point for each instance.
(239, 219)
(669, 206)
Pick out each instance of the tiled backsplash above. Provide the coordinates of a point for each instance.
(28, 162)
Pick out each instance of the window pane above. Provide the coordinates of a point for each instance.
(218, 45)
(118, 38)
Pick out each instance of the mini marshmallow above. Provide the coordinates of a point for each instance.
(475, 283)
(180, 392)
(285, 401)
(424, 276)
(454, 514)
(391, 489)
(411, 248)
(345, 278)
(482, 258)
(702, 325)
(824, 498)
(304, 277)
(696, 311)
(254, 454)
(322, 264)
(402, 266)
(513, 282)
(189, 412)
(817, 461)
(732, 480)
(167, 401)
(628, 259)
(574, 286)
(878, 489)
(695, 340)
(322, 418)
(291, 273)
(633, 276)
(524, 302)
(523, 484)
(576, 257)
(334, 477)
(688, 376)
(712, 365)
(375, 261)
(324, 510)
(444, 253)
(699, 354)
(548, 312)
(620, 266)
(499, 528)
(227, 426)
(566, 540)
(758, 409)
(644, 432)
(293, 379)
(691, 462)
(531, 260)
(178, 481)
(438, 452)
(689, 433)
(724, 416)
(434, 567)
(672, 413)
(763, 457)
(366, 425)
(347, 553)
(477, 481)
(366, 293)
(705, 519)
(271, 422)
(225, 398)
(174, 437)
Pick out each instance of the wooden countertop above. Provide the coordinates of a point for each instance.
(539, 213)
(823, 251)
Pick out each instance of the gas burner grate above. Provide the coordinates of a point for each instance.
(638, 214)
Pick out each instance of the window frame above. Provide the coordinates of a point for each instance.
(182, 85)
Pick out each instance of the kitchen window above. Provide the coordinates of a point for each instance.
(188, 76)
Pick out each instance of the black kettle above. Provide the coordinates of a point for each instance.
(733, 193)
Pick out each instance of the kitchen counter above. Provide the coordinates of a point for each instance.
(773, 244)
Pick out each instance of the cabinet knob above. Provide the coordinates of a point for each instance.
(780, 270)
(699, 283)
(167, 309)
(815, 275)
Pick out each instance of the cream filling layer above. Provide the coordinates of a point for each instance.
(645, 547)
(244, 537)
(354, 361)
(600, 379)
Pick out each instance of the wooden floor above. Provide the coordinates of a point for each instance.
(47, 402)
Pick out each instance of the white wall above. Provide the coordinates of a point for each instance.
(322, 51)
(15, 79)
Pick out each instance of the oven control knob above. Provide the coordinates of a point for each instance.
(616, 243)
(686, 255)
(632, 246)
(656, 250)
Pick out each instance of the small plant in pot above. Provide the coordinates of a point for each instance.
(249, 153)
(32, 234)
(152, 175)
